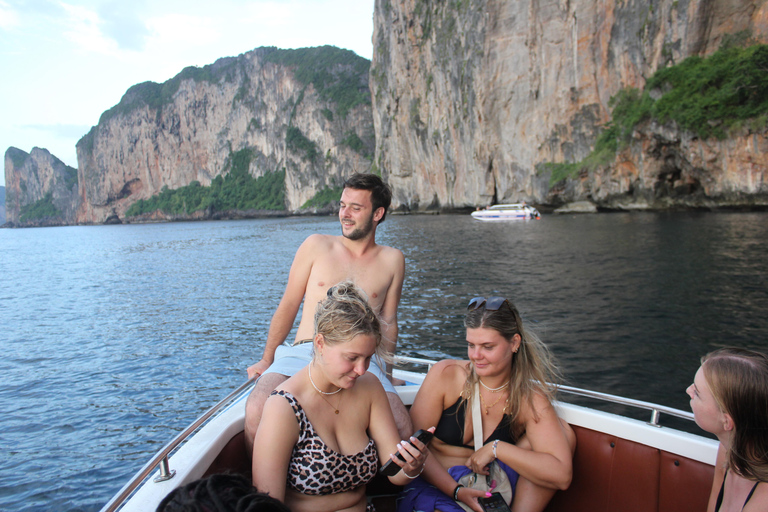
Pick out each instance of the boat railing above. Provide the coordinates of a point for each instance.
(655, 409)
(161, 458)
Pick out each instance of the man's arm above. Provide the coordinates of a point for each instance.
(389, 308)
(285, 314)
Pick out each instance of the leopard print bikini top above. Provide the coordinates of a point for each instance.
(317, 470)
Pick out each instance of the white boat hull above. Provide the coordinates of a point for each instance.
(501, 212)
(194, 458)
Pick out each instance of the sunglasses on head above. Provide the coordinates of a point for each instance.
(491, 303)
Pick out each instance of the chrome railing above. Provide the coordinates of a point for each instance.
(655, 409)
(161, 458)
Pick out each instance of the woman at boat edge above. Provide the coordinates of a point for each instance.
(325, 429)
(520, 426)
(729, 398)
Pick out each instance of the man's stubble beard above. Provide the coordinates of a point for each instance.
(360, 233)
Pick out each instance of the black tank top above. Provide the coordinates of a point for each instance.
(722, 487)
(450, 428)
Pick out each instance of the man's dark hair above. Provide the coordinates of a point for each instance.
(220, 493)
(381, 195)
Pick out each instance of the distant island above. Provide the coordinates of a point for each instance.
(468, 104)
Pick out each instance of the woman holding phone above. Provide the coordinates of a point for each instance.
(324, 430)
(509, 371)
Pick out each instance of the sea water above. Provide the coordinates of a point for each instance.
(115, 338)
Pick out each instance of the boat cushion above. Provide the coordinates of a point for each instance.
(610, 474)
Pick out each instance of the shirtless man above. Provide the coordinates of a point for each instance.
(321, 262)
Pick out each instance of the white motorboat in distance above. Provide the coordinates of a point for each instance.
(516, 211)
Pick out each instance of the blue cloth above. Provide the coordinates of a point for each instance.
(421, 496)
(290, 359)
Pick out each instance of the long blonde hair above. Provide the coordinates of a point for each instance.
(533, 370)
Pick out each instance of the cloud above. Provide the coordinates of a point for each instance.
(9, 18)
(175, 30)
(83, 29)
(116, 26)
(122, 23)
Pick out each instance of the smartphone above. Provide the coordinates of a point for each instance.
(390, 468)
(495, 503)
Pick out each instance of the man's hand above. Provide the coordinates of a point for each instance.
(257, 369)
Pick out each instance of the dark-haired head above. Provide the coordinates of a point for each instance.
(220, 493)
(738, 380)
(381, 195)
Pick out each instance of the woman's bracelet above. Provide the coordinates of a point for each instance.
(456, 492)
(416, 475)
(495, 443)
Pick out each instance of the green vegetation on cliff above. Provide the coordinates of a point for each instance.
(339, 76)
(236, 190)
(41, 209)
(324, 198)
(155, 96)
(710, 97)
(18, 157)
(299, 143)
(353, 141)
(70, 176)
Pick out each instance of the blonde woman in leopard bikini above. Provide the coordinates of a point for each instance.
(324, 430)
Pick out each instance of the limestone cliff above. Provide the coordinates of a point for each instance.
(471, 97)
(41, 190)
(187, 129)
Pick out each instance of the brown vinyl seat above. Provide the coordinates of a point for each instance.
(612, 474)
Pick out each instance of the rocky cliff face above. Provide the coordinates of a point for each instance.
(169, 135)
(471, 97)
(41, 190)
(2, 206)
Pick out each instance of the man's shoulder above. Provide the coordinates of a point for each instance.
(390, 250)
(318, 240)
(390, 253)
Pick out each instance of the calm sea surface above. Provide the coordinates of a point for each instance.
(114, 338)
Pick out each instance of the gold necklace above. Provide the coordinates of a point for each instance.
(489, 407)
(335, 409)
(323, 393)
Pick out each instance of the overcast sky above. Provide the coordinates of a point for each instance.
(63, 63)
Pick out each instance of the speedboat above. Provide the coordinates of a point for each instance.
(517, 211)
(621, 463)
